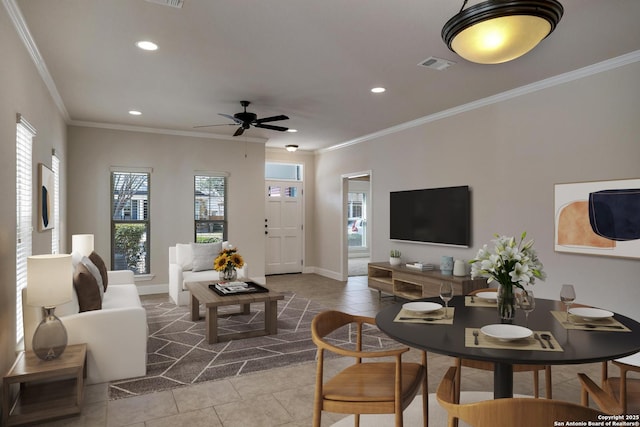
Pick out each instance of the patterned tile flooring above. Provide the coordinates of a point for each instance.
(283, 396)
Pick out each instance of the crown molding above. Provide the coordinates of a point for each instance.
(161, 131)
(580, 73)
(25, 35)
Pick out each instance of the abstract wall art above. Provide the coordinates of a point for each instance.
(46, 185)
(598, 218)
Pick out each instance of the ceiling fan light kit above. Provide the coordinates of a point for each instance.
(497, 31)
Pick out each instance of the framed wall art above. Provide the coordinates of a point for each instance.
(46, 190)
(598, 218)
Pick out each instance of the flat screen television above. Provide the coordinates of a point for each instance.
(434, 215)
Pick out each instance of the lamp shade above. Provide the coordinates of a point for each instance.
(497, 31)
(82, 244)
(49, 280)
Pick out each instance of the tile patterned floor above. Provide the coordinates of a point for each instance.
(284, 396)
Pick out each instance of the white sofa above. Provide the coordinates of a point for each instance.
(116, 336)
(180, 272)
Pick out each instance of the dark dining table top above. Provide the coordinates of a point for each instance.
(580, 346)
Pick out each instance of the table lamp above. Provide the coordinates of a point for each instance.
(49, 284)
(82, 244)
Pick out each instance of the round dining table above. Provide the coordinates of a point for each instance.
(578, 346)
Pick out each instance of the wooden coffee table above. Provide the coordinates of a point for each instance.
(201, 294)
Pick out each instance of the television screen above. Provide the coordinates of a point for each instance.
(435, 215)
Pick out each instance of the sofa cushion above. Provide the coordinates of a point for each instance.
(97, 260)
(95, 272)
(204, 254)
(184, 256)
(86, 288)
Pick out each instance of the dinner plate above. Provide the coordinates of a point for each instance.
(506, 332)
(421, 307)
(489, 296)
(589, 313)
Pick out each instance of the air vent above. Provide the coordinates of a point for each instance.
(173, 3)
(436, 63)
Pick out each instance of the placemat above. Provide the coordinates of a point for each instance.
(609, 325)
(433, 318)
(524, 344)
(478, 302)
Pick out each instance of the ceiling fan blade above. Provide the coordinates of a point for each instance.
(208, 126)
(228, 116)
(271, 119)
(239, 132)
(280, 128)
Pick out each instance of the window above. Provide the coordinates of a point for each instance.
(283, 171)
(24, 214)
(210, 208)
(55, 233)
(130, 231)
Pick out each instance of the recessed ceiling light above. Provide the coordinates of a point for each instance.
(378, 90)
(292, 130)
(135, 113)
(147, 45)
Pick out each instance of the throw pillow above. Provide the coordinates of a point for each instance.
(204, 254)
(95, 272)
(184, 256)
(87, 289)
(98, 262)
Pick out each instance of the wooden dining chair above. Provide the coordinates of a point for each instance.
(615, 395)
(488, 366)
(521, 412)
(380, 387)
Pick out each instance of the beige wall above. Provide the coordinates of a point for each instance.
(511, 154)
(174, 160)
(22, 91)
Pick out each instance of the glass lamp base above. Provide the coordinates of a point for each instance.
(50, 337)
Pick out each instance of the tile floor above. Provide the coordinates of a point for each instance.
(284, 396)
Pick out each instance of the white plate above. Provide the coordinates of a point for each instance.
(421, 307)
(489, 296)
(505, 332)
(589, 313)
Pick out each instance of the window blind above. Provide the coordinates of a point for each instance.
(24, 213)
(55, 233)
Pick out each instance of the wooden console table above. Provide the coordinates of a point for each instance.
(48, 389)
(410, 283)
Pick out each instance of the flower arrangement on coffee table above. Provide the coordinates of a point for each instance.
(227, 262)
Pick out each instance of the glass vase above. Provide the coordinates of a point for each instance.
(506, 303)
(229, 274)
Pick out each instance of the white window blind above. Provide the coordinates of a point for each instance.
(24, 214)
(55, 234)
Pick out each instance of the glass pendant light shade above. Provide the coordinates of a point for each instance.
(49, 283)
(498, 31)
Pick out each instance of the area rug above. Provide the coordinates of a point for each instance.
(179, 355)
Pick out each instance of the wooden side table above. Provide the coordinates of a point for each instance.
(48, 389)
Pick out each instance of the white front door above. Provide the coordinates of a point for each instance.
(283, 227)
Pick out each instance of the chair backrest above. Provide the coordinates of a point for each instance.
(521, 412)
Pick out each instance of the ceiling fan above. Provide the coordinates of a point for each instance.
(246, 120)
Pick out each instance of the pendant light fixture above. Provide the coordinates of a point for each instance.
(497, 31)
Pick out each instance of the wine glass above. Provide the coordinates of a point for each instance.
(446, 293)
(567, 295)
(527, 302)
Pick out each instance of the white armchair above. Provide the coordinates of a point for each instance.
(181, 272)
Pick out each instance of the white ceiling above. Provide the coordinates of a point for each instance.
(314, 61)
